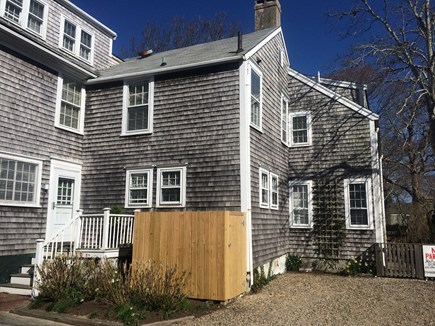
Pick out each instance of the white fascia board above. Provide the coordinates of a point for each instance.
(333, 95)
(154, 72)
(45, 50)
(83, 14)
(342, 83)
(251, 52)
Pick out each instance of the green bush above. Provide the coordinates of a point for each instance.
(356, 267)
(261, 279)
(292, 263)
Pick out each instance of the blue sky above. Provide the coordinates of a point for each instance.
(311, 43)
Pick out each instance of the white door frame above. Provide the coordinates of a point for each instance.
(68, 170)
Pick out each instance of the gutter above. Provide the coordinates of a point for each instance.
(154, 72)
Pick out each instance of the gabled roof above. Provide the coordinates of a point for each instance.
(333, 95)
(201, 55)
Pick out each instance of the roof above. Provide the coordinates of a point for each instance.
(200, 55)
(333, 95)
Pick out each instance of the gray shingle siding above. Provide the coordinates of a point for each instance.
(27, 110)
(196, 121)
(268, 152)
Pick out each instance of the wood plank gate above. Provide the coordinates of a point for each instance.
(399, 260)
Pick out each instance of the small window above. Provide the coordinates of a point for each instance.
(357, 203)
(76, 40)
(300, 129)
(301, 205)
(30, 14)
(264, 188)
(256, 98)
(137, 113)
(284, 120)
(20, 181)
(171, 187)
(139, 191)
(268, 189)
(273, 191)
(70, 111)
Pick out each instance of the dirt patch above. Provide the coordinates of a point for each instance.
(11, 301)
(325, 299)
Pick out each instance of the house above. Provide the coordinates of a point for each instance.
(227, 126)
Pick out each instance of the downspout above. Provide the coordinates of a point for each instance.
(245, 162)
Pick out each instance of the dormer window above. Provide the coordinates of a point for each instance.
(30, 14)
(76, 40)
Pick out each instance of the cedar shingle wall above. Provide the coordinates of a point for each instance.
(27, 109)
(196, 120)
(270, 227)
(102, 53)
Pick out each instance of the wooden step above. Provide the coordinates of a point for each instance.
(16, 289)
(23, 279)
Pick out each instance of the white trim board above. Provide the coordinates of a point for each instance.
(333, 95)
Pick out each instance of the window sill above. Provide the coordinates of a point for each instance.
(299, 145)
(138, 207)
(259, 129)
(170, 206)
(359, 227)
(306, 227)
(20, 205)
(126, 134)
(75, 131)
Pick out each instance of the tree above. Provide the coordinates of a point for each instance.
(182, 33)
(399, 38)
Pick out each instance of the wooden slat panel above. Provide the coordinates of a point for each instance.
(210, 246)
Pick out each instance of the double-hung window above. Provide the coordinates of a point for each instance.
(77, 40)
(70, 107)
(301, 204)
(171, 187)
(20, 181)
(138, 107)
(30, 14)
(268, 189)
(284, 120)
(138, 192)
(256, 97)
(357, 194)
(300, 129)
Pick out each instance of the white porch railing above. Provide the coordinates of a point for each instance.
(95, 233)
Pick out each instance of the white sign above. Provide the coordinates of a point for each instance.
(429, 261)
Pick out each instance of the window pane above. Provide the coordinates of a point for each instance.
(69, 36)
(358, 204)
(13, 10)
(138, 94)
(85, 45)
(171, 178)
(17, 180)
(255, 98)
(137, 118)
(171, 195)
(139, 180)
(300, 204)
(139, 196)
(300, 130)
(36, 15)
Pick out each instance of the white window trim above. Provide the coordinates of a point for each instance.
(369, 200)
(79, 30)
(182, 202)
(260, 186)
(310, 205)
(252, 66)
(281, 58)
(272, 176)
(149, 188)
(25, 15)
(57, 124)
(38, 178)
(125, 100)
(309, 129)
(287, 116)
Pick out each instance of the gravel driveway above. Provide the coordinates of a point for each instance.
(324, 299)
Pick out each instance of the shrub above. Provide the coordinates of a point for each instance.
(260, 278)
(292, 263)
(356, 267)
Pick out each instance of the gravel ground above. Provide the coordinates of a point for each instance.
(325, 299)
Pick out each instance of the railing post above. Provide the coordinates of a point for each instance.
(39, 257)
(106, 222)
(78, 231)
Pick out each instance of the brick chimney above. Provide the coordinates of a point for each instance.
(267, 14)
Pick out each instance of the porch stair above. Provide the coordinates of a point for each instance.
(20, 283)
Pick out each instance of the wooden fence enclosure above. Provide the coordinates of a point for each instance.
(399, 260)
(210, 246)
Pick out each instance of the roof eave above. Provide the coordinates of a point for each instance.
(163, 70)
(333, 95)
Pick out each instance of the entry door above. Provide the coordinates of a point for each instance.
(64, 197)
